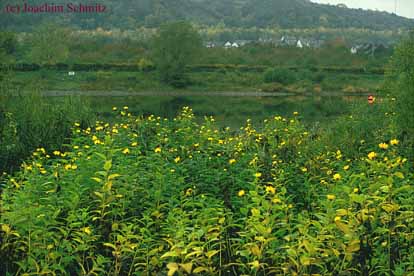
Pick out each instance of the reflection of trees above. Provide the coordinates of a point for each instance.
(171, 107)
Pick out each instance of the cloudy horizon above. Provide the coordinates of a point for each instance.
(404, 7)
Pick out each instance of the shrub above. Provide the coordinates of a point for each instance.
(153, 196)
(29, 121)
(280, 75)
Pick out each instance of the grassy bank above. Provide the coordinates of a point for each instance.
(221, 80)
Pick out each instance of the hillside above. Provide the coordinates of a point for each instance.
(130, 14)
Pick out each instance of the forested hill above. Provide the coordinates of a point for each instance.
(128, 14)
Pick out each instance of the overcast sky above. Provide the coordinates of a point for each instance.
(404, 7)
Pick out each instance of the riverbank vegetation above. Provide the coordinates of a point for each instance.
(152, 195)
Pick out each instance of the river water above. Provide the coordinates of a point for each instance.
(228, 109)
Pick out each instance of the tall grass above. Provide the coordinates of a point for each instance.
(29, 121)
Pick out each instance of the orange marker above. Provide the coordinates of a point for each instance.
(371, 99)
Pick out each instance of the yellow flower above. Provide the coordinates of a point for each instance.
(356, 190)
(304, 169)
(296, 113)
(270, 189)
(337, 176)
(221, 142)
(383, 146)
(87, 230)
(177, 159)
(255, 264)
(75, 147)
(276, 200)
(232, 161)
(126, 151)
(258, 175)
(125, 107)
(74, 167)
(346, 167)
(241, 193)
(134, 144)
(157, 150)
(188, 192)
(394, 142)
(337, 218)
(114, 130)
(372, 155)
(56, 152)
(114, 108)
(330, 197)
(255, 212)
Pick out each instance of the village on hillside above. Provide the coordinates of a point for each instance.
(367, 48)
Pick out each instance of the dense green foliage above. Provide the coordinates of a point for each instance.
(280, 75)
(158, 196)
(401, 84)
(49, 45)
(235, 13)
(27, 122)
(175, 47)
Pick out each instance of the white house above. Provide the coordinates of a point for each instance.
(299, 44)
(235, 45)
(227, 45)
(354, 50)
(71, 73)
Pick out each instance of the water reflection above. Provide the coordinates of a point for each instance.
(229, 111)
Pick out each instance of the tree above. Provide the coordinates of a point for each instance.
(174, 47)
(401, 80)
(8, 45)
(50, 44)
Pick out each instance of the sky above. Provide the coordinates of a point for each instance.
(404, 7)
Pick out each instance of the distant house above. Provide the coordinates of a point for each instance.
(210, 44)
(229, 45)
(288, 41)
(354, 50)
(368, 48)
(299, 44)
(71, 73)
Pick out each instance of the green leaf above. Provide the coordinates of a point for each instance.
(97, 179)
(169, 254)
(187, 267)
(113, 176)
(343, 227)
(200, 269)
(399, 175)
(107, 244)
(108, 165)
(172, 268)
